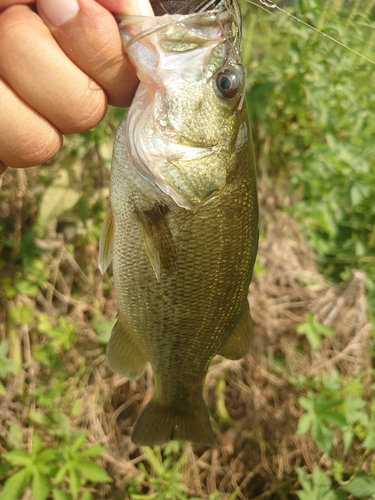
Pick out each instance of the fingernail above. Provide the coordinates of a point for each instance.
(58, 12)
(145, 8)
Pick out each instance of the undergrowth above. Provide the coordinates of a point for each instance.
(293, 420)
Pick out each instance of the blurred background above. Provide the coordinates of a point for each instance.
(295, 418)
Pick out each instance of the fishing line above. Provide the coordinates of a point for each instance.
(271, 5)
(260, 6)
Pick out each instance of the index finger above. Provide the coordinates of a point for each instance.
(7, 3)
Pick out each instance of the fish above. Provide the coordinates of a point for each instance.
(181, 230)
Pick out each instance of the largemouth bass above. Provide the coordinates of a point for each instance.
(182, 227)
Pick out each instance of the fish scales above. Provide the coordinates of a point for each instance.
(182, 238)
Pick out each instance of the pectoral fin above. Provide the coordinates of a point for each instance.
(106, 242)
(124, 354)
(238, 344)
(158, 240)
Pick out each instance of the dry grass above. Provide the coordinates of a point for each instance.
(260, 451)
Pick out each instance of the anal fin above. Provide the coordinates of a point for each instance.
(239, 341)
(124, 354)
(158, 240)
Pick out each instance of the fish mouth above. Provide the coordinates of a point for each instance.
(208, 24)
(189, 49)
(206, 12)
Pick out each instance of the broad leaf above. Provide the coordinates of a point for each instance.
(18, 457)
(75, 483)
(361, 486)
(93, 472)
(40, 486)
(92, 451)
(59, 197)
(86, 496)
(59, 495)
(15, 485)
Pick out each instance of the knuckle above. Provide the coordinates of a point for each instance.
(92, 108)
(16, 21)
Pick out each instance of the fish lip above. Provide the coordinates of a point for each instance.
(206, 19)
(218, 7)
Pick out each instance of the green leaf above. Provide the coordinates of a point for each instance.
(93, 472)
(320, 412)
(74, 482)
(369, 442)
(18, 457)
(15, 435)
(59, 495)
(352, 407)
(311, 334)
(38, 417)
(25, 287)
(325, 330)
(3, 348)
(37, 445)
(321, 481)
(22, 315)
(40, 486)
(303, 479)
(304, 423)
(356, 195)
(59, 197)
(313, 331)
(347, 436)
(92, 451)
(79, 441)
(48, 455)
(61, 474)
(15, 485)
(7, 365)
(323, 436)
(44, 324)
(335, 418)
(362, 486)
(318, 488)
(104, 329)
(86, 496)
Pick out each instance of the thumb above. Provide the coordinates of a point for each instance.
(89, 36)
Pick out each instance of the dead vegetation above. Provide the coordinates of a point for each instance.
(257, 447)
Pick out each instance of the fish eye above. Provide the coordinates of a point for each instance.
(228, 82)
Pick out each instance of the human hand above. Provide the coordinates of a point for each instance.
(61, 62)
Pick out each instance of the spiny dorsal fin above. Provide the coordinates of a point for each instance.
(158, 240)
(106, 242)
